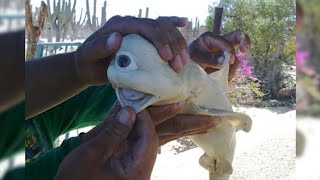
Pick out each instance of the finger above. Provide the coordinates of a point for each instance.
(177, 21)
(160, 114)
(167, 138)
(185, 57)
(176, 64)
(215, 43)
(143, 152)
(113, 135)
(157, 35)
(206, 58)
(175, 39)
(185, 123)
(115, 109)
(101, 48)
(177, 42)
(149, 29)
(239, 38)
(233, 69)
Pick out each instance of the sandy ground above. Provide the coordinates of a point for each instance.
(267, 152)
(307, 163)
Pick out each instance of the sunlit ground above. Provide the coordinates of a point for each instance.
(307, 165)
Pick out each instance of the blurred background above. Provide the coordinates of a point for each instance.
(11, 15)
(12, 18)
(308, 89)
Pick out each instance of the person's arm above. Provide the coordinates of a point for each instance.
(52, 80)
(11, 69)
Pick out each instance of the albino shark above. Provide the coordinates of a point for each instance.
(141, 78)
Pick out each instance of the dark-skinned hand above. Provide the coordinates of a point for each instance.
(168, 123)
(94, 55)
(207, 50)
(97, 158)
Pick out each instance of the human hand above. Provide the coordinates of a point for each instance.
(169, 124)
(239, 40)
(208, 50)
(98, 157)
(94, 55)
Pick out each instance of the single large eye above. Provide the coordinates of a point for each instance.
(126, 62)
(123, 61)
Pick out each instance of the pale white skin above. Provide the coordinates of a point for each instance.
(141, 78)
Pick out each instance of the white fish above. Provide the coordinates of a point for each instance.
(141, 78)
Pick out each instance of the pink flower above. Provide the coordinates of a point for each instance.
(301, 56)
(246, 70)
(240, 55)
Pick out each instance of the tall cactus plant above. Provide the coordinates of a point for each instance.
(140, 13)
(195, 31)
(60, 18)
(76, 24)
(103, 13)
(93, 21)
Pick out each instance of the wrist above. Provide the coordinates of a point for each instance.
(77, 70)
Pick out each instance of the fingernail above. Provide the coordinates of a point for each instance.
(111, 40)
(221, 60)
(167, 52)
(124, 116)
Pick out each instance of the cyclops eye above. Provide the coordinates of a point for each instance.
(123, 61)
(126, 62)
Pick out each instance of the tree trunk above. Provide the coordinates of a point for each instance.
(34, 31)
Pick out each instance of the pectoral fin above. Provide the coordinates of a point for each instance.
(239, 120)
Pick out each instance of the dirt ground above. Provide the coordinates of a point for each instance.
(267, 152)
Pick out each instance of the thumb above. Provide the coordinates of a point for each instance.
(114, 134)
(101, 47)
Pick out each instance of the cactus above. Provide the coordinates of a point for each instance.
(34, 29)
(103, 13)
(76, 25)
(93, 22)
(195, 31)
(147, 12)
(60, 18)
(140, 13)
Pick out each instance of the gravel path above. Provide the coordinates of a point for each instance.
(267, 152)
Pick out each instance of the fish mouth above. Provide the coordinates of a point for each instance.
(136, 99)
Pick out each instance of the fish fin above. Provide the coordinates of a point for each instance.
(239, 120)
(215, 166)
